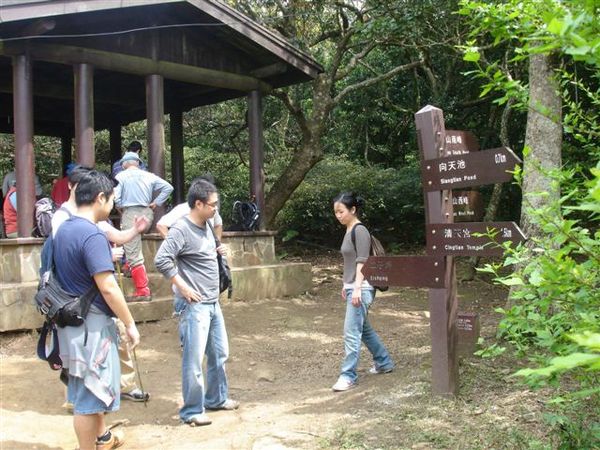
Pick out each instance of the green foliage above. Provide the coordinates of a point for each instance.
(554, 312)
(394, 203)
(489, 351)
(554, 317)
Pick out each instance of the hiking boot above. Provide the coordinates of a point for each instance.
(378, 370)
(136, 395)
(198, 420)
(342, 384)
(140, 280)
(110, 440)
(228, 405)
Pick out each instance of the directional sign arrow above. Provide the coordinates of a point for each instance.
(471, 169)
(459, 239)
(414, 271)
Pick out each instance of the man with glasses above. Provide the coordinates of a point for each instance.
(188, 258)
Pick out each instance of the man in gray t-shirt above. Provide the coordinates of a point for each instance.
(188, 258)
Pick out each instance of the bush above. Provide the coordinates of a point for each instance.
(393, 203)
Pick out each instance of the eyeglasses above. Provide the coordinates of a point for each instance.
(213, 204)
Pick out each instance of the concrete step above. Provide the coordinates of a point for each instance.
(18, 311)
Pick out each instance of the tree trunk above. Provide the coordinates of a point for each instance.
(543, 137)
(309, 154)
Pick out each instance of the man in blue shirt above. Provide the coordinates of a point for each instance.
(82, 258)
(135, 195)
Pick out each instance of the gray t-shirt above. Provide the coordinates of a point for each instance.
(353, 255)
(190, 251)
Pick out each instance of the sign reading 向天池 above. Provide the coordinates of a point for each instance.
(470, 169)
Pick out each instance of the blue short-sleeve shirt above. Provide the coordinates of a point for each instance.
(81, 250)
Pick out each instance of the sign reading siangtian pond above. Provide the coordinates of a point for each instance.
(471, 169)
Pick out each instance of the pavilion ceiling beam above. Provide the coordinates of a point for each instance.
(56, 91)
(137, 65)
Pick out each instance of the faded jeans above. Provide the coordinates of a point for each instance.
(202, 332)
(357, 328)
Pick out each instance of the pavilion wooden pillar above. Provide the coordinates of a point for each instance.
(155, 132)
(257, 173)
(177, 169)
(23, 129)
(115, 142)
(84, 114)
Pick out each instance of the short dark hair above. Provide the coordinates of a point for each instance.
(207, 177)
(134, 146)
(349, 200)
(78, 172)
(90, 185)
(200, 190)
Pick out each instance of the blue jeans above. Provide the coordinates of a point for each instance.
(202, 332)
(356, 329)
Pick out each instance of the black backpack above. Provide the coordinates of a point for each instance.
(376, 250)
(44, 210)
(245, 216)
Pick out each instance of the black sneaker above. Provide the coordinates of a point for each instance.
(137, 395)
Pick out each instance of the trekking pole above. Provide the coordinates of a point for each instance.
(139, 376)
(136, 367)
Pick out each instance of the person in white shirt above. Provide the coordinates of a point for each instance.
(183, 209)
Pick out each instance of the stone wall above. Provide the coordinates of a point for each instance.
(256, 274)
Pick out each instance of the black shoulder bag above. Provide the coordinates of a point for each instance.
(225, 281)
(60, 307)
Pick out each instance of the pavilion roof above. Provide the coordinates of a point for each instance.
(207, 52)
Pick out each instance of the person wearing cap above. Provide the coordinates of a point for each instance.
(134, 195)
(60, 191)
(134, 146)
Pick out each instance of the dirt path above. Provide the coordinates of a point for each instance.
(285, 355)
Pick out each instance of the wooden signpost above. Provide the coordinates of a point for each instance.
(450, 159)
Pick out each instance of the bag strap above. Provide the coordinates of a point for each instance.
(353, 235)
(212, 230)
(49, 333)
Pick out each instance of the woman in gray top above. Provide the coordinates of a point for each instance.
(358, 294)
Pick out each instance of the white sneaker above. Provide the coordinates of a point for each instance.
(198, 420)
(375, 370)
(342, 384)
